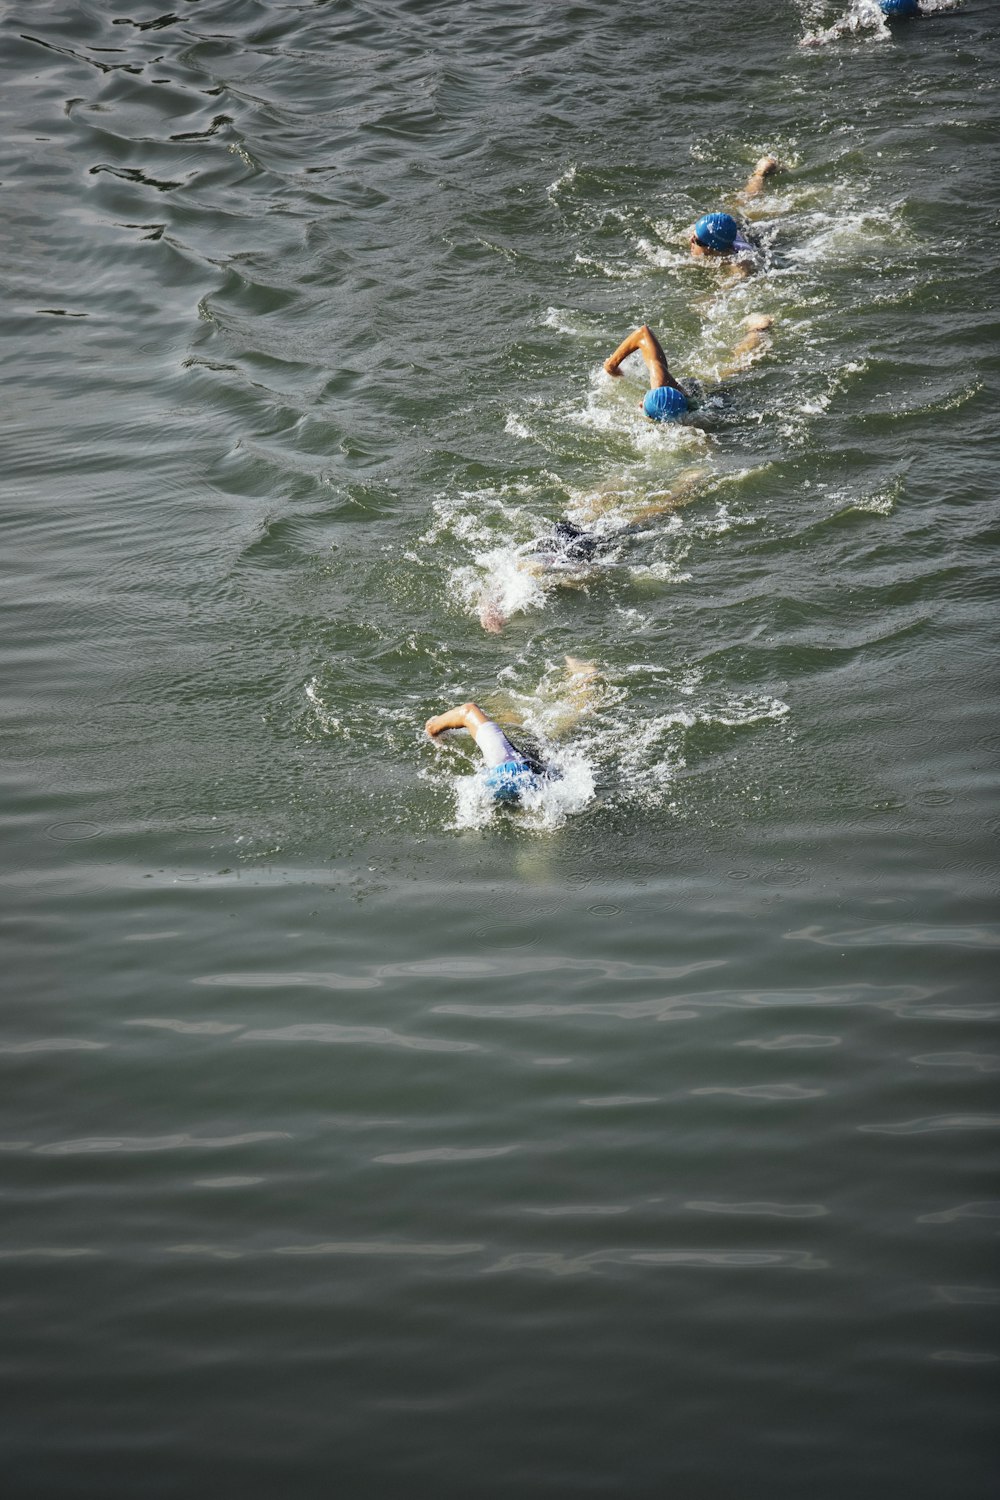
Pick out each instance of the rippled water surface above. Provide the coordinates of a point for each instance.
(359, 1137)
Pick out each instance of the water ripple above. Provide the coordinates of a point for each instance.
(620, 1101)
(370, 1036)
(765, 1210)
(792, 1041)
(186, 1028)
(965, 1357)
(53, 1044)
(93, 1145)
(986, 1209)
(904, 934)
(775, 1091)
(402, 1249)
(556, 1264)
(969, 1296)
(932, 1124)
(975, 1062)
(463, 968)
(444, 1153)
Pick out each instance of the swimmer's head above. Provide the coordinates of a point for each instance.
(716, 232)
(903, 9)
(665, 404)
(507, 783)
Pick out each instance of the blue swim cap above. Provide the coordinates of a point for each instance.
(906, 9)
(665, 404)
(506, 783)
(717, 231)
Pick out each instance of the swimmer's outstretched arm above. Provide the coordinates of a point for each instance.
(764, 168)
(466, 716)
(681, 493)
(645, 341)
(756, 338)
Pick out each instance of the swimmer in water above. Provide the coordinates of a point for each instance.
(568, 553)
(720, 236)
(666, 400)
(861, 17)
(569, 549)
(508, 773)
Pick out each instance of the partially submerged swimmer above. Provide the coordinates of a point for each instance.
(568, 553)
(569, 545)
(870, 15)
(666, 400)
(720, 236)
(508, 772)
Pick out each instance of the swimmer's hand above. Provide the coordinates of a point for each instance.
(610, 369)
(491, 616)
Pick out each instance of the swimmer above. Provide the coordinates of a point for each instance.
(508, 773)
(861, 17)
(666, 401)
(568, 553)
(720, 236)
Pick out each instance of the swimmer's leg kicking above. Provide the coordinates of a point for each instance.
(755, 182)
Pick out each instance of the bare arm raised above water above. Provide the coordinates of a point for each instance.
(466, 716)
(755, 338)
(644, 341)
(765, 168)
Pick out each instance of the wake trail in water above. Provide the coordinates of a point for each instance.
(863, 19)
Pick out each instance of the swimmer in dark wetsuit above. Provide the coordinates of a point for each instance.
(568, 552)
(570, 543)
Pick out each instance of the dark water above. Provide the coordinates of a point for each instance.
(357, 1139)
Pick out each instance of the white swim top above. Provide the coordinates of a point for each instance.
(495, 745)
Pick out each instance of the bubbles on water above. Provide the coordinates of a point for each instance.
(327, 720)
(566, 179)
(861, 17)
(662, 254)
(846, 232)
(878, 502)
(574, 324)
(517, 427)
(621, 271)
